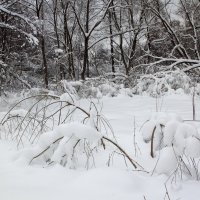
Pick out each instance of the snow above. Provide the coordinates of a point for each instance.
(67, 97)
(193, 147)
(81, 131)
(19, 112)
(170, 130)
(59, 51)
(147, 130)
(183, 132)
(19, 181)
(167, 162)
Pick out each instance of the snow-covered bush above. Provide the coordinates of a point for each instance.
(174, 142)
(70, 145)
(163, 82)
(55, 129)
(110, 85)
(113, 85)
(73, 145)
(42, 113)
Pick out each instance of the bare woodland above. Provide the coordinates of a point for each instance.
(45, 41)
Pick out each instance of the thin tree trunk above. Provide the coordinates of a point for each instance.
(85, 61)
(45, 67)
(68, 43)
(56, 23)
(44, 62)
(111, 43)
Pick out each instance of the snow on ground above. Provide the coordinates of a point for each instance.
(21, 182)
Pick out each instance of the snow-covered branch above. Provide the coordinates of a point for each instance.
(30, 37)
(22, 17)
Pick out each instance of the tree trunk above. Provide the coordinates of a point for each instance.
(85, 61)
(56, 23)
(45, 68)
(111, 43)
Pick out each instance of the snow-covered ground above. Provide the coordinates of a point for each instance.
(126, 114)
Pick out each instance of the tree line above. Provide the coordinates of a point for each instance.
(45, 41)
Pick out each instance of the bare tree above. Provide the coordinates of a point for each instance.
(88, 29)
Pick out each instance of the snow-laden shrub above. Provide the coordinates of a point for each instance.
(72, 86)
(173, 142)
(110, 85)
(36, 91)
(153, 130)
(70, 145)
(47, 125)
(41, 113)
(163, 82)
(73, 145)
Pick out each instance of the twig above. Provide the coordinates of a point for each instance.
(122, 150)
(38, 155)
